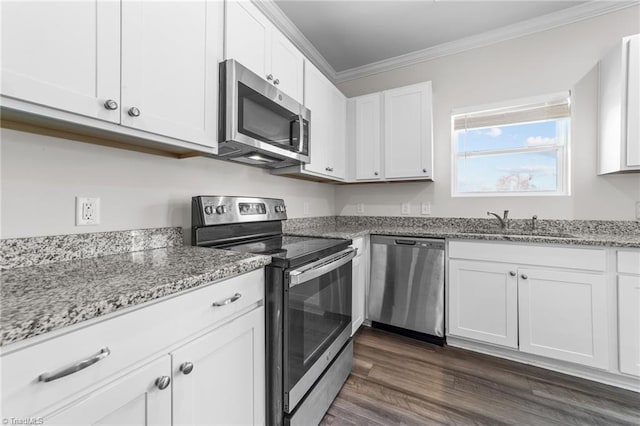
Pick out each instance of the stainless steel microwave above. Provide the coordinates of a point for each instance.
(258, 124)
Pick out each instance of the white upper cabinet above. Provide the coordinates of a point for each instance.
(248, 36)
(287, 66)
(253, 40)
(367, 137)
(619, 108)
(327, 150)
(64, 55)
(170, 55)
(328, 108)
(407, 132)
(393, 134)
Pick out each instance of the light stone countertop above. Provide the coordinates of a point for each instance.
(41, 298)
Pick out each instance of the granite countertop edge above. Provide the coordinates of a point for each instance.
(16, 331)
(601, 240)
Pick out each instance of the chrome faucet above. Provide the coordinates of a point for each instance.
(504, 221)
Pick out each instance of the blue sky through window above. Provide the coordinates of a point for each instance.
(510, 158)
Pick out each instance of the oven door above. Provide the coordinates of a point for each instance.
(261, 117)
(317, 321)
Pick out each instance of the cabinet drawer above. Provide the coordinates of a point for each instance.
(629, 262)
(130, 337)
(525, 254)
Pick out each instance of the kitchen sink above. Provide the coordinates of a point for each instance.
(514, 233)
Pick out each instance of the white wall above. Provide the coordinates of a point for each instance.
(42, 175)
(552, 61)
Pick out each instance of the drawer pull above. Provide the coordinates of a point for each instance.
(227, 301)
(49, 377)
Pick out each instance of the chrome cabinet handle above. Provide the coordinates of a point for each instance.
(163, 382)
(329, 169)
(186, 367)
(111, 105)
(524, 277)
(270, 77)
(276, 81)
(81, 365)
(134, 112)
(513, 274)
(424, 170)
(232, 299)
(375, 173)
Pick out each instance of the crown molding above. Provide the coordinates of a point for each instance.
(289, 29)
(531, 26)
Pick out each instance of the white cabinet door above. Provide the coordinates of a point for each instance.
(563, 315)
(248, 36)
(629, 323)
(62, 54)
(170, 55)
(227, 383)
(633, 101)
(338, 152)
(359, 282)
(407, 132)
(367, 134)
(131, 400)
(317, 99)
(287, 66)
(483, 302)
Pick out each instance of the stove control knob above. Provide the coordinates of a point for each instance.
(221, 209)
(280, 209)
(208, 210)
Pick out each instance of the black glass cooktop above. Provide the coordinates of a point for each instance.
(290, 248)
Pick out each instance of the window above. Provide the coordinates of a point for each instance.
(514, 148)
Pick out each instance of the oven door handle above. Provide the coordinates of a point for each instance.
(321, 267)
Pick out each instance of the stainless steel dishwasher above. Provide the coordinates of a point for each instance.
(406, 293)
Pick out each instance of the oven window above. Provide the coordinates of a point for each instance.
(262, 119)
(318, 311)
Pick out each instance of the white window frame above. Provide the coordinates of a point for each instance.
(563, 151)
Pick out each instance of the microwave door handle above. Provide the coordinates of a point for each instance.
(321, 267)
(301, 136)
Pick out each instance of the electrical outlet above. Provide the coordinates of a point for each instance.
(87, 211)
(425, 208)
(637, 210)
(406, 208)
(305, 207)
(360, 208)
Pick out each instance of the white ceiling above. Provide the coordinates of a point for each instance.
(351, 34)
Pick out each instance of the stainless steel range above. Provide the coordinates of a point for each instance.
(308, 302)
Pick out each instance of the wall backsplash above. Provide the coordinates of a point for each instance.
(41, 176)
(564, 58)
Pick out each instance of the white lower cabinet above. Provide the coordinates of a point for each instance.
(483, 302)
(563, 315)
(138, 370)
(629, 323)
(548, 301)
(360, 269)
(219, 378)
(134, 399)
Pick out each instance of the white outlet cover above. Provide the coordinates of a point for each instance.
(305, 207)
(87, 211)
(360, 208)
(637, 210)
(406, 208)
(425, 208)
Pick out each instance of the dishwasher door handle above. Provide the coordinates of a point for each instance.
(405, 242)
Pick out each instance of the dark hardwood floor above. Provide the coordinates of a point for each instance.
(396, 380)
